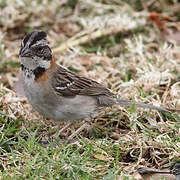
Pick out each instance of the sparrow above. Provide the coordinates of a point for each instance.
(59, 94)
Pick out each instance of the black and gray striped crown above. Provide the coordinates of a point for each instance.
(33, 37)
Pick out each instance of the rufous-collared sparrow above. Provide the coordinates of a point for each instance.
(58, 93)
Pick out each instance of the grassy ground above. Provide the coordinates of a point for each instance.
(115, 43)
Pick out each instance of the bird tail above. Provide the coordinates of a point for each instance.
(123, 102)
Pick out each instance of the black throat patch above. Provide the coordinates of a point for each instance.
(37, 72)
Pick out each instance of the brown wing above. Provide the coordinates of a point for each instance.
(67, 83)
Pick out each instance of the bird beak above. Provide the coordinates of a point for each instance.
(25, 52)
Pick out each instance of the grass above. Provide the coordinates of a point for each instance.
(114, 43)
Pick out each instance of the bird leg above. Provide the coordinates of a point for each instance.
(61, 131)
(78, 131)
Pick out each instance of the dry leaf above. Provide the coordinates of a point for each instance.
(100, 157)
(167, 31)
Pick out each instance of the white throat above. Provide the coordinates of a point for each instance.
(34, 62)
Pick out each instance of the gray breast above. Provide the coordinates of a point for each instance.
(56, 107)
